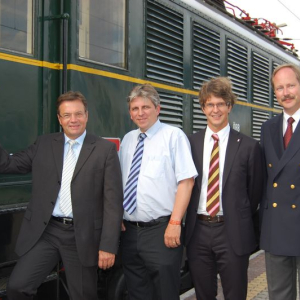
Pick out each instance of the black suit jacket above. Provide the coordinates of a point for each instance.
(96, 191)
(280, 209)
(241, 190)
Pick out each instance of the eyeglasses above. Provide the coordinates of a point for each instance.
(77, 115)
(219, 105)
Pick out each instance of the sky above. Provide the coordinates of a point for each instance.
(275, 11)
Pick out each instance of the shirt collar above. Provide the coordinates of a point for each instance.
(221, 134)
(152, 130)
(79, 140)
(295, 116)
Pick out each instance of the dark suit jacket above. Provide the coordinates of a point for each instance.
(96, 191)
(280, 209)
(241, 190)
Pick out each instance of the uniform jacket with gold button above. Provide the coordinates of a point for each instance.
(280, 208)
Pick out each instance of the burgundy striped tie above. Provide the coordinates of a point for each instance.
(289, 132)
(213, 191)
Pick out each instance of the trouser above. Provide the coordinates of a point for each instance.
(282, 276)
(57, 243)
(152, 271)
(209, 253)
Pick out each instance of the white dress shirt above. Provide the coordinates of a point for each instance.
(77, 148)
(295, 116)
(207, 148)
(166, 160)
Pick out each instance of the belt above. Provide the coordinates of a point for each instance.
(210, 219)
(66, 221)
(150, 223)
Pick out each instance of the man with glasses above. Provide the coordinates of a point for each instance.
(219, 223)
(280, 229)
(75, 211)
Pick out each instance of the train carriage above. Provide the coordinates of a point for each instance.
(104, 48)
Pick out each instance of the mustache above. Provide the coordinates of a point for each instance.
(289, 96)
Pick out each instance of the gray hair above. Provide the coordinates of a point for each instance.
(146, 91)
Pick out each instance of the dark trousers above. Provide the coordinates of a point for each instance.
(57, 242)
(152, 271)
(210, 253)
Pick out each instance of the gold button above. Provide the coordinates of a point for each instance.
(275, 184)
(294, 206)
(292, 186)
(274, 204)
(270, 165)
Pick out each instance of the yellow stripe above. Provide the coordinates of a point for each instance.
(212, 177)
(58, 66)
(208, 203)
(214, 153)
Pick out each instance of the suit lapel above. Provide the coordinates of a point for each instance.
(234, 142)
(277, 136)
(198, 155)
(58, 152)
(292, 149)
(86, 150)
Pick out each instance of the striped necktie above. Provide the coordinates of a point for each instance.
(289, 132)
(65, 203)
(129, 202)
(213, 191)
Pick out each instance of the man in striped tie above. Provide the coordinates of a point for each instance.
(158, 177)
(219, 226)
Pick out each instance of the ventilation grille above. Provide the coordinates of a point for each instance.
(206, 54)
(258, 118)
(261, 76)
(275, 102)
(164, 44)
(199, 118)
(171, 109)
(237, 68)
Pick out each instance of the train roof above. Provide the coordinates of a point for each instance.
(214, 10)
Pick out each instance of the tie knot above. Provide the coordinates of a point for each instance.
(290, 120)
(72, 143)
(142, 136)
(215, 137)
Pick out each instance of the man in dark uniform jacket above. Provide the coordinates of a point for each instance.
(280, 228)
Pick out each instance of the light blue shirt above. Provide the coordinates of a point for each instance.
(166, 160)
(77, 148)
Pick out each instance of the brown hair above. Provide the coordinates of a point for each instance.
(220, 87)
(70, 96)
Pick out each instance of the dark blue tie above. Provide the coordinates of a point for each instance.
(129, 202)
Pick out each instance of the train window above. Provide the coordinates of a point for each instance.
(102, 31)
(16, 24)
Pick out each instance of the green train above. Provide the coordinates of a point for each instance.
(103, 48)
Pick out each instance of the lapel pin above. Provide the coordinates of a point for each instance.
(238, 140)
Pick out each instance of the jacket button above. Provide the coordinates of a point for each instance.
(292, 186)
(274, 204)
(270, 165)
(275, 184)
(45, 223)
(294, 206)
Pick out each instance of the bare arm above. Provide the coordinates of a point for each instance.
(183, 195)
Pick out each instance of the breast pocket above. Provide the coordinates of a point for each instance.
(154, 169)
